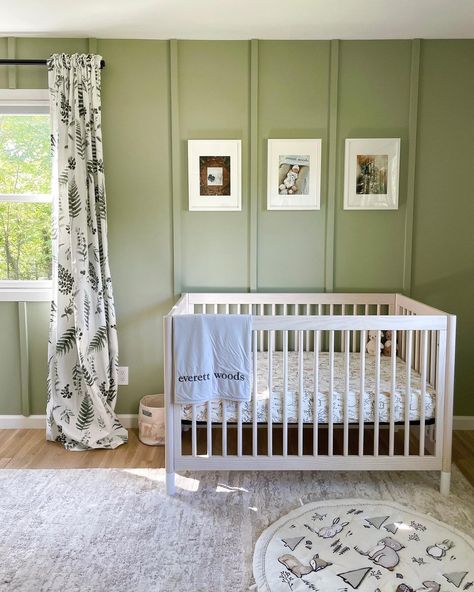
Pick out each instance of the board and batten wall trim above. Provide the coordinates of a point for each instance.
(256, 167)
(175, 166)
(253, 168)
(333, 104)
(24, 358)
(411, 173)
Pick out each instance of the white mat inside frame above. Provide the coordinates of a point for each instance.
(369, 546)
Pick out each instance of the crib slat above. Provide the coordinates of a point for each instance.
(424, 358)
(416, 364)
(215, 308)
(347, 351)
(209, 429)
(343, 333)
(354, 337)
(316, 337)
(331, 395)
(239, 428)
(408, 392)
(271, 336)
(376, 400)
(193, 431)
(363, 341)
(224, 428)
(433, 358)
(254, 395)
(393, 361)
(227, 308)
(285, 392)
(300, 394)
(261, 342)
(307, 332)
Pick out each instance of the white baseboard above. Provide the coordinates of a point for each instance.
(22, 422)
(463, 422)
(130, 420)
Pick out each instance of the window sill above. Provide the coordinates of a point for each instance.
(34, 291)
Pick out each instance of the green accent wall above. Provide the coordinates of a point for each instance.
(158, 94)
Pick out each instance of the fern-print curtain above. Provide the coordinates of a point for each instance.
(83, 350)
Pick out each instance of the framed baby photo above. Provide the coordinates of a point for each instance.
(371, 174)
(214, 171)
(294, 175)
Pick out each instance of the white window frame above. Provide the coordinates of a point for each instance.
(17, 101)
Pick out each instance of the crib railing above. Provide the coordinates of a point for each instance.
(333, 326)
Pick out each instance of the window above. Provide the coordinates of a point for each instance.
(25, 195)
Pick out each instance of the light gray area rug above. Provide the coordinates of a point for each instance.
(116, 530)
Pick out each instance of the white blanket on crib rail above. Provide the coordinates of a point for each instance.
(212, 357)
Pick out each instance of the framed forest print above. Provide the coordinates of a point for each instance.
(371, 174)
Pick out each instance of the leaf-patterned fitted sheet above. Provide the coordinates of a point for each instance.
(292, 397)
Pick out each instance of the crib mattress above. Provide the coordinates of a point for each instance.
(322, 399)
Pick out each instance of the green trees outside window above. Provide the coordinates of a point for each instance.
(25, 170)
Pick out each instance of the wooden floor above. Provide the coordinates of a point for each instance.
(28, 449)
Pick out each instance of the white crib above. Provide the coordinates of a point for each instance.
(310, 367)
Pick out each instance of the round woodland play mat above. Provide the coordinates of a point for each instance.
(369, 546)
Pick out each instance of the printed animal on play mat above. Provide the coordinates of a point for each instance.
(298, 569)
(439, 550)
(385, 553)
(328, 532)
(427, 586)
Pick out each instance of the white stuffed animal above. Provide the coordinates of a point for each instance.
(372, 346)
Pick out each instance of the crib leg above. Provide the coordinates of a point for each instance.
(170, 483)
(445, 482)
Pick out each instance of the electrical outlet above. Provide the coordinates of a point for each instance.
(122, 375)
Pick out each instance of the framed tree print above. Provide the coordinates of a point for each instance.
(371, 174)
(294, 174)
(214, 172)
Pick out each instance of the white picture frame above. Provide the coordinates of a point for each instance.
(214, 175)
(283, 156)
(371, 173)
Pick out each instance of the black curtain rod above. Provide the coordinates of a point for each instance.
(10, 62)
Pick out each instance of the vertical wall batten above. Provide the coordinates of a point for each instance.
(253, 170)
(24, 358)
(411, 173)
(332, 162)
(176, 188)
